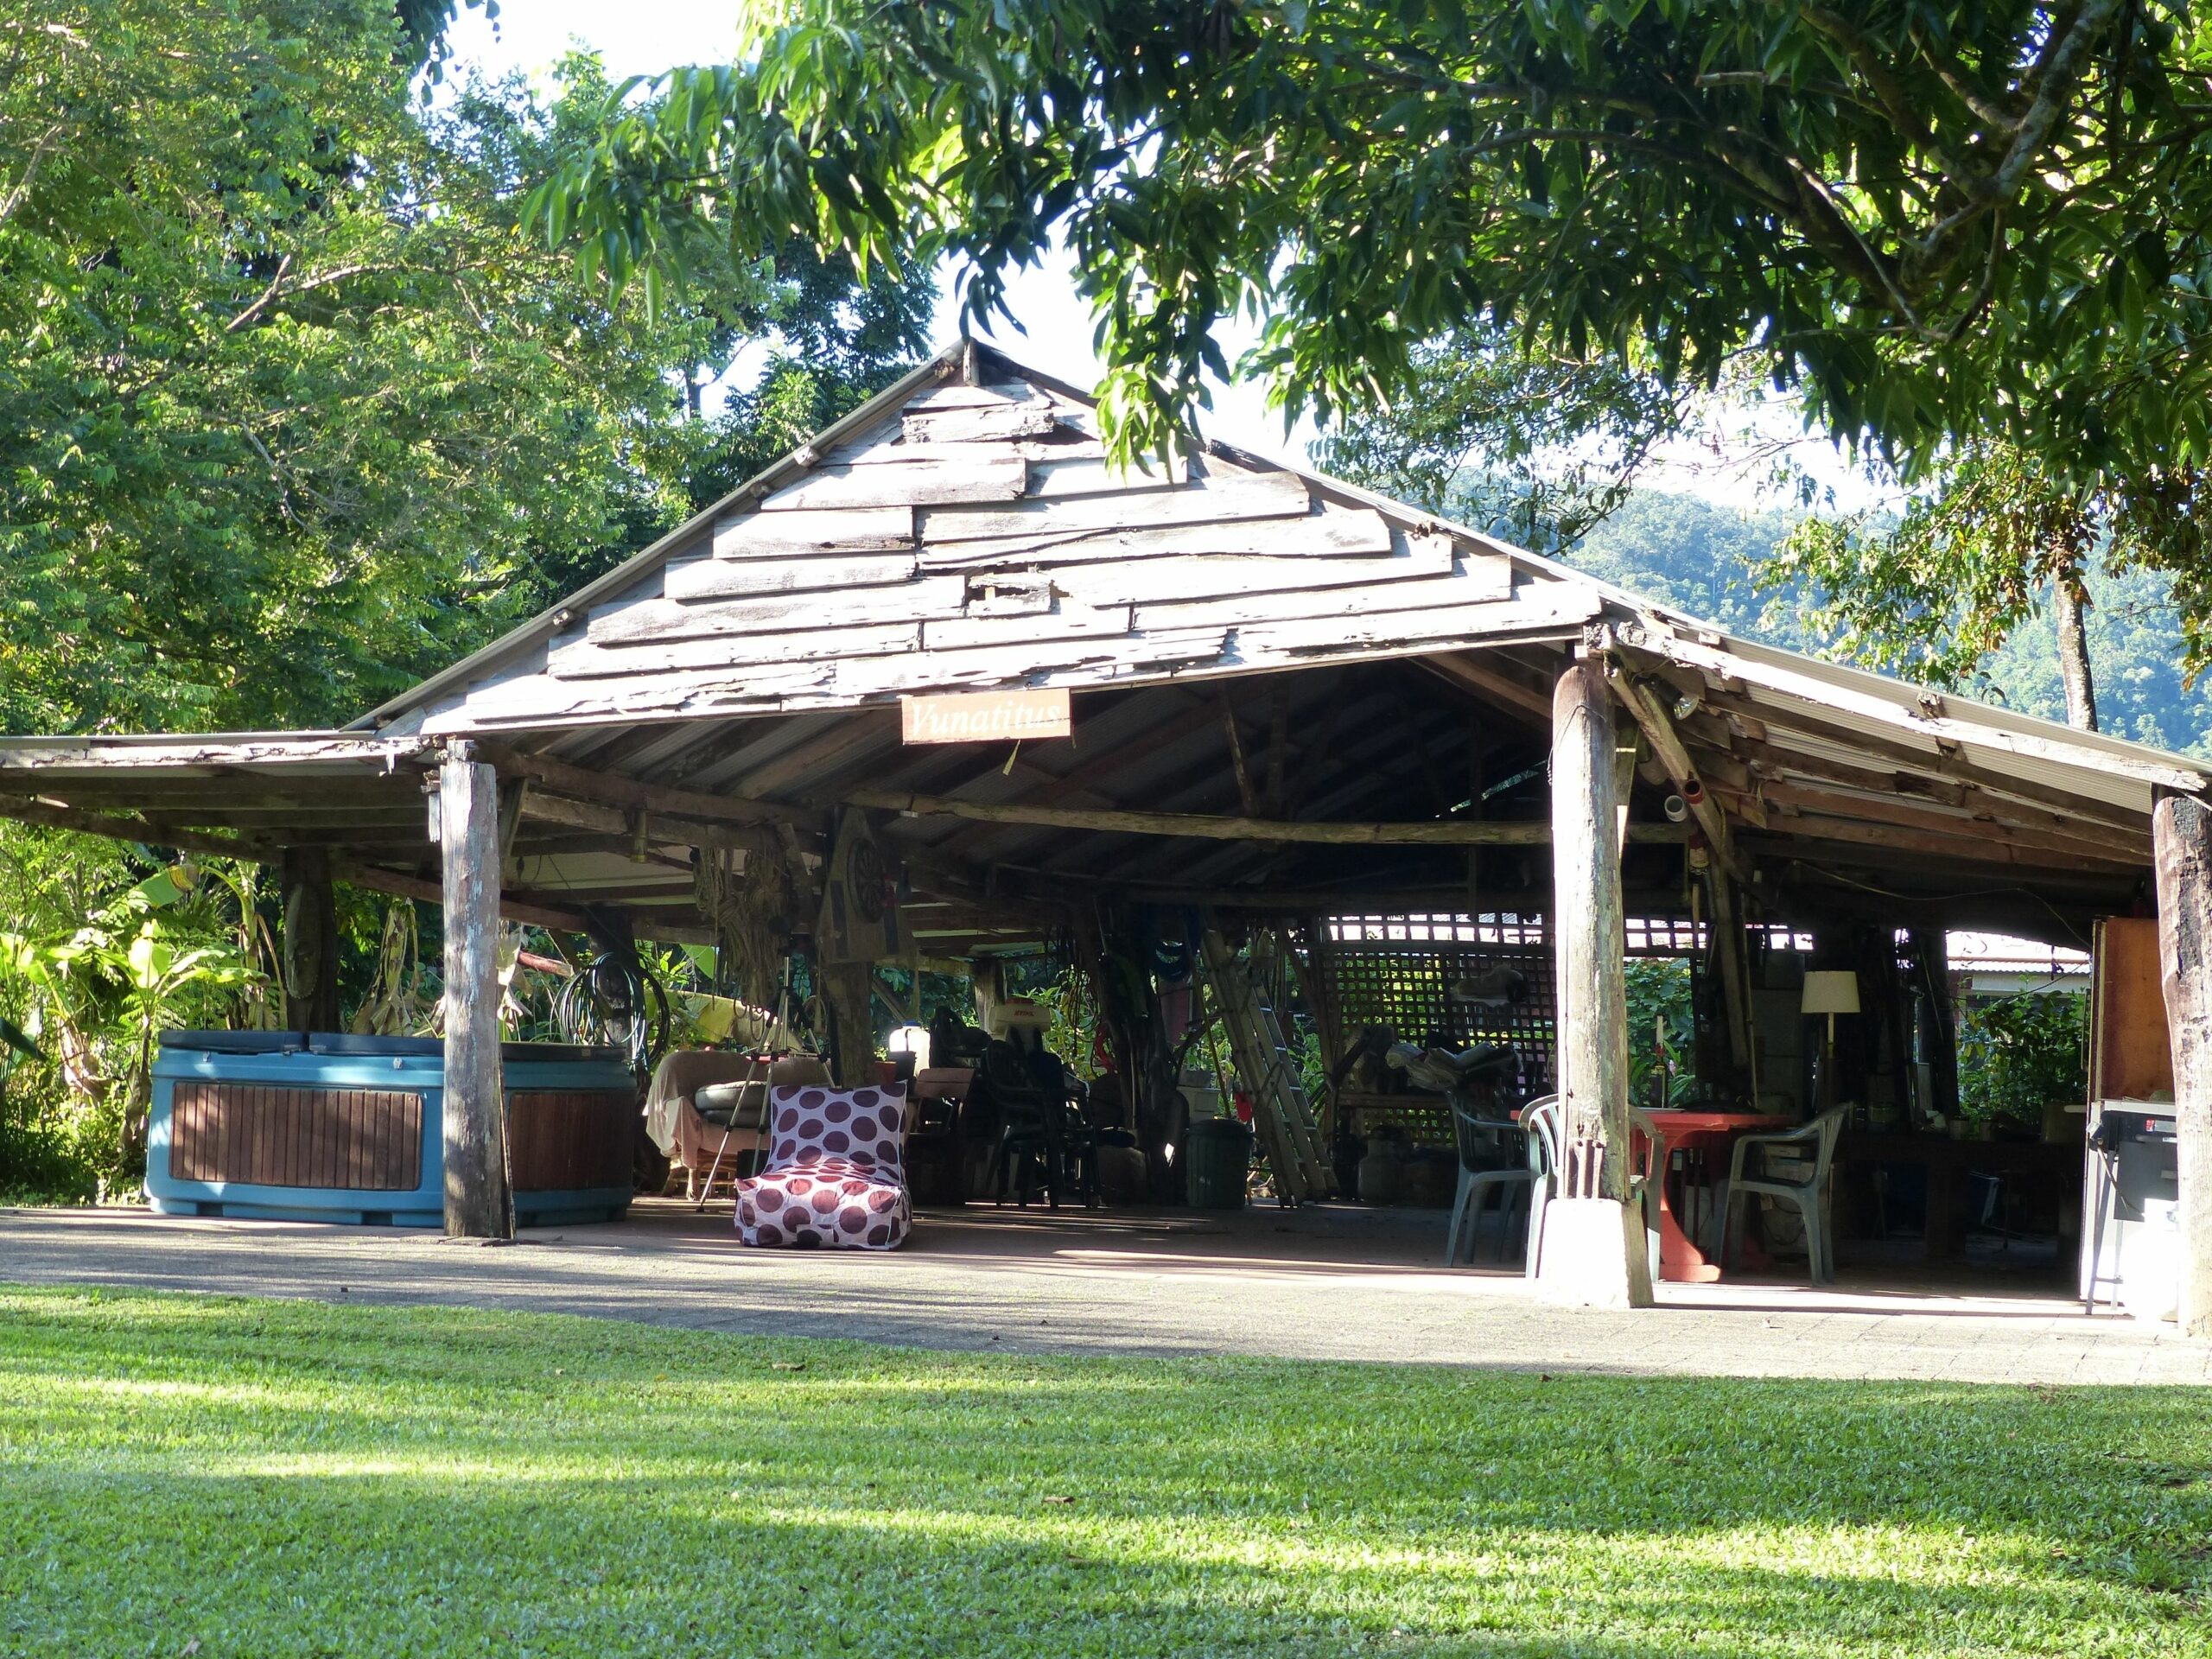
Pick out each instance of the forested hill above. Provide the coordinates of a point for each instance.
(1701, 556)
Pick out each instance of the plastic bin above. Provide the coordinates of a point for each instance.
(1220, 1154)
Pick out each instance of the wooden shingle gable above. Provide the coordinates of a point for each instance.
(969, 536)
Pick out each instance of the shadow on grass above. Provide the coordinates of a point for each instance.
(273, 1478)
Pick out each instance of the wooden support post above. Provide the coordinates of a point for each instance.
(309, 946)
(478, 1202)
(1593, 1248)
(1650, 713)
(2181, 833)
(1729, 947)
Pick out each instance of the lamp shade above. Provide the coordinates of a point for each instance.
(1829, 991)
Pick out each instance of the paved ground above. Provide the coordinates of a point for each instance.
(1329, 1282)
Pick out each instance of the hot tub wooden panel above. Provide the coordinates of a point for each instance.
(351, 1140)
(569, 1140)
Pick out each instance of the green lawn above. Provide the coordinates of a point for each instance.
(276, 1478)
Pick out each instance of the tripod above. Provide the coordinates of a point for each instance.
(757, 1072)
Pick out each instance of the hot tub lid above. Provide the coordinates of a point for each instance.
(562, 1053)
(344, 1042)
(234, 1042)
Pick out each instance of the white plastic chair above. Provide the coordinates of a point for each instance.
(1541, 1119)
(1477, 1181)
(1812, 1148)
(1643, 1184)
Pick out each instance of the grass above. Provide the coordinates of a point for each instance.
(262, 1479)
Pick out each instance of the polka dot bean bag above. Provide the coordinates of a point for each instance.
(835, 1176)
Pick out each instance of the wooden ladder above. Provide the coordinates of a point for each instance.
(1283, 1115)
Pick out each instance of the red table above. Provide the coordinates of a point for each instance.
(1696, 1133)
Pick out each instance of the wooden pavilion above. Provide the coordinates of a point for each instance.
(1290, 698)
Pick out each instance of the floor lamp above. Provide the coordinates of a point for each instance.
(1831, 992)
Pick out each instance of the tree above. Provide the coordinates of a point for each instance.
(289, 392)
(1533, 446)
(293, 413)
(1934, 593)
(1930, 220)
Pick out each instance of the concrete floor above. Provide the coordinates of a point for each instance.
(1336, 1282)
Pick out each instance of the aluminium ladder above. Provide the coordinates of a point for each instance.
(1279, 1103)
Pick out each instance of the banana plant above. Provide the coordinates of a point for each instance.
(155, 956)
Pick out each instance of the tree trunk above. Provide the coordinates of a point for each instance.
(2073, 604)
(310, 941)
(478, 1202)
(2182, 834)
(1593, 1243)
(847, 991)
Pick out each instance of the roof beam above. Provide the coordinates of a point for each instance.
(136, 827)
(1487, 674)
(1204, 826)
(1968, 845)
(1659, 731)
(2092, 843)
(661, 801)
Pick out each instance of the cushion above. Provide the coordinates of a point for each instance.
(720, 1102)
(835, 1174)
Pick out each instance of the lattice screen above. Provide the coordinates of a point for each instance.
(1398, 970)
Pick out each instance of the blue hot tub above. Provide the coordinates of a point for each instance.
(322, 1127)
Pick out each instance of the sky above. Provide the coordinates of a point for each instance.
(644, 37)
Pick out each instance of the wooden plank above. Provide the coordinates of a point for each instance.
(919, 483)
(1351, 532)
(662, 619)
(1414, 594)
(802, 530)
(1058, 476)
(1068, 619)
(729, 578)
(2132, 1045)
(1063, 444)
(958, 394)
(584, 660)
(1094, 660)
(2181, 826)
(1228, 575)
(991, 423)
(1026, 594)
(477, 1201)
(1216, 498)
(1554, 612)
(216, 754)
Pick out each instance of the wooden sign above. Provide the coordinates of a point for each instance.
(985, 716)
